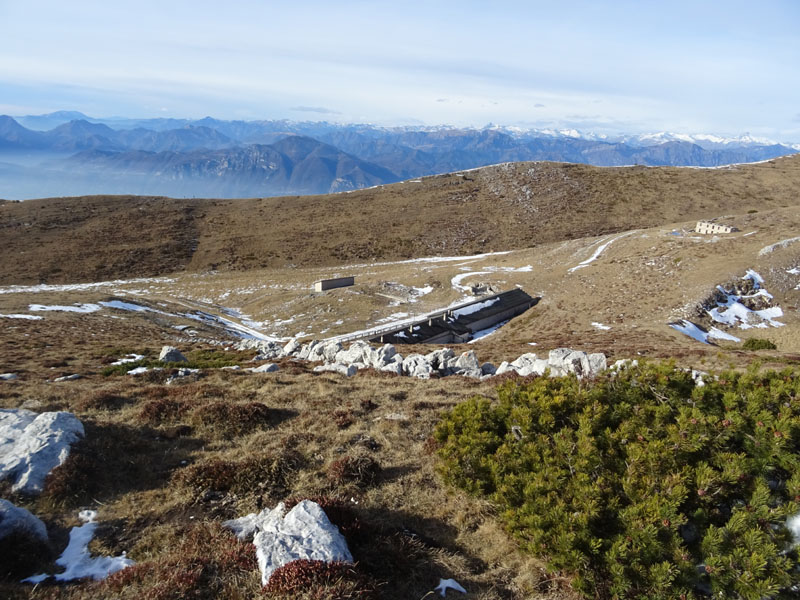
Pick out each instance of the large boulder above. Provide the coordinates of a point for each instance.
(467, 364)
(170, 354)
(291, 348)
(31, 445)
(358, 354)
(346, 370)
(439, 359)
(529, 364)
(395, 365)
(305, 532)
(385, 356)
(330, 350)
(415, 365)
(19, 521)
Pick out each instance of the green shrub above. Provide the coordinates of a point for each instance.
(758, 344)
(632, 482)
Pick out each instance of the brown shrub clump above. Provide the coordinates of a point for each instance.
(102, 400)
(253, 474)
(320, 580)
(229, 419)
(207, 562)
(162, 410)
(361, 470)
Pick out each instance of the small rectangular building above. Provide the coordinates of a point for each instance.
(329, 284)
(707, 227)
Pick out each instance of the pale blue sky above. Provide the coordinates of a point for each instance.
(725, 67)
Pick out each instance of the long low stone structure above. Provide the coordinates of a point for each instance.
(330, 284)
(457, 325)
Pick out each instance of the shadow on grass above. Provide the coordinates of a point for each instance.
(113, 460)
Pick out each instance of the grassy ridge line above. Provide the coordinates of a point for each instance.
(510, 206)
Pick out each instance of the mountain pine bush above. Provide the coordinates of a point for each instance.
(641, 484)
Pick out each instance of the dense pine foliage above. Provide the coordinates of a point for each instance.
(642, 484)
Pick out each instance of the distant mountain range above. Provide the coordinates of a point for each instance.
(68, 153)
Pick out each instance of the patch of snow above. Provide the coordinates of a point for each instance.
(21, 316)
(456, 281)
(76, 308)
(597, 325)
(597, 253)
(718, 334)
(793, 271)
(120, 305)
(757, 279)
(77, 287)
(431, 259)
(138, 371)
(128, 359)
(417, 292)
(78, 563)
(487, 332)
(732, 312)
(692, 330)
(473, 308)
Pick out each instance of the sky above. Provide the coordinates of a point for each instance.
(725, 67)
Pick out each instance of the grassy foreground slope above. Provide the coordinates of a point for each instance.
(503, 207)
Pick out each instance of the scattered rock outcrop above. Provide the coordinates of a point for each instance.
(31, 445)
(305, 532)
(441, 363)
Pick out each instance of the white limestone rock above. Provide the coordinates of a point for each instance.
(265, 368)
(468, 362)
(597, 362)
(330, 350)
(415, 365)
(171, 354)
(439, 359)
(72, 377)
(385, 355)
(354, 355)
(291, 348)
(31, 445)
(8, 376)
(504, 367)
(395, 365)
(14, 519)
(529, 364)
(346, 370)
(305, 532)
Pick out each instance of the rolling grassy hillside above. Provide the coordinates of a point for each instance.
(509, 206)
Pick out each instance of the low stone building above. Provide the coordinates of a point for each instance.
(329, 284)
(707, 227)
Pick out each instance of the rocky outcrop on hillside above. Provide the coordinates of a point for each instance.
(438, 363)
